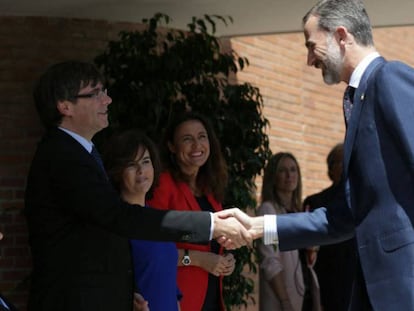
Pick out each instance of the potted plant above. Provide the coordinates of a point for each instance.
(158, 71)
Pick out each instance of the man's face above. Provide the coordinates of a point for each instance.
(323, 51)
(88, 115)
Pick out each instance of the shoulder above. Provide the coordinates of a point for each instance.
(166, 180)
(318, 197)
(166, 177)
(268, 207)
(393, 68)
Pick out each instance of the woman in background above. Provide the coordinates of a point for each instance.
(133, 166)
(280, 276)
(195, 179)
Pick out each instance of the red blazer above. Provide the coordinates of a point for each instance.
(192, 280)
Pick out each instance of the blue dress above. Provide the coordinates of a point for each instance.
(155, 273)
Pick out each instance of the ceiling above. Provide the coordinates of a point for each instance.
(250, 17)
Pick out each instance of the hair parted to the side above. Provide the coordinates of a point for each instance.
(269, 191)
(62, 81)
(122, 148)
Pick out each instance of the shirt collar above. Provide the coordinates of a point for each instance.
(360, 69)
(82, 140)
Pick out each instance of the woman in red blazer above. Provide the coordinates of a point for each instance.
(195, 180)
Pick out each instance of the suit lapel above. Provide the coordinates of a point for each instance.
(359, 101)
(83, 153)
(191, 200)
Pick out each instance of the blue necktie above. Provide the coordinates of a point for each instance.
(98, 158)
(348, 102)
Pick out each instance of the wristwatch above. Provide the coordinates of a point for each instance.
(186, 261)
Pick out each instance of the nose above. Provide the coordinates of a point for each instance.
(196, 143)
(138, 169)
(107, 99)
(311, 58)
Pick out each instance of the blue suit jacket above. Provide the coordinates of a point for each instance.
(379, 189)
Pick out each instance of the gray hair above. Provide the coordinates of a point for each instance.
(350, 14)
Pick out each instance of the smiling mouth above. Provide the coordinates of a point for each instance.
(197, 154)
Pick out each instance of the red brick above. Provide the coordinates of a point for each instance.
(305, 114)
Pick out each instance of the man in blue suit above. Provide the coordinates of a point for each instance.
(378, 168)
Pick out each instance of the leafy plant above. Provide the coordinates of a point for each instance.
(156, 72)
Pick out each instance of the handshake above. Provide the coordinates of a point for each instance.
(233, 228)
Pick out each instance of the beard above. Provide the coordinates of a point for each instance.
(332, 64)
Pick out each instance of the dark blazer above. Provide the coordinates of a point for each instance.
(379, 189)
(335, 263)
(78, 230)
(10, 306)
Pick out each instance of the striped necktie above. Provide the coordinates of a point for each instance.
(348, 102)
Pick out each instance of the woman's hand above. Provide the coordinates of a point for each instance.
(211, 262)
(140, 304)
(218, 264)
(230, 264)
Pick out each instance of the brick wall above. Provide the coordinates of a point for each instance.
(305, 115)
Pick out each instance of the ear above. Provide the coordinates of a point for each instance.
(171, 147)
(343, 35)
(64, 107)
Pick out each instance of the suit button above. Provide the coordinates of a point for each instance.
(186, 237)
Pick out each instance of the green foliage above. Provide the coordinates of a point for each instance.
(154, 73)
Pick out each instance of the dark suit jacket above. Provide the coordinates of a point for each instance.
(379, 175)
(78, 230)
(335, 264)
(10, 306)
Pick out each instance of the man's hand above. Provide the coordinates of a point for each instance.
(254, 226)
(229, 231)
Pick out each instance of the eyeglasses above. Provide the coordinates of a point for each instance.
(98, 94)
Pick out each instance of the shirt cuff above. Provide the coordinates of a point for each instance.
(211, 226)
(270, 235)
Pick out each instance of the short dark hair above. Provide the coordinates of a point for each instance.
(331, 159)
(122, 148)
(62, 81)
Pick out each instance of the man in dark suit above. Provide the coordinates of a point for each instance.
(78, 226)
(378, 167)
(335, 263)
(5, 305)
